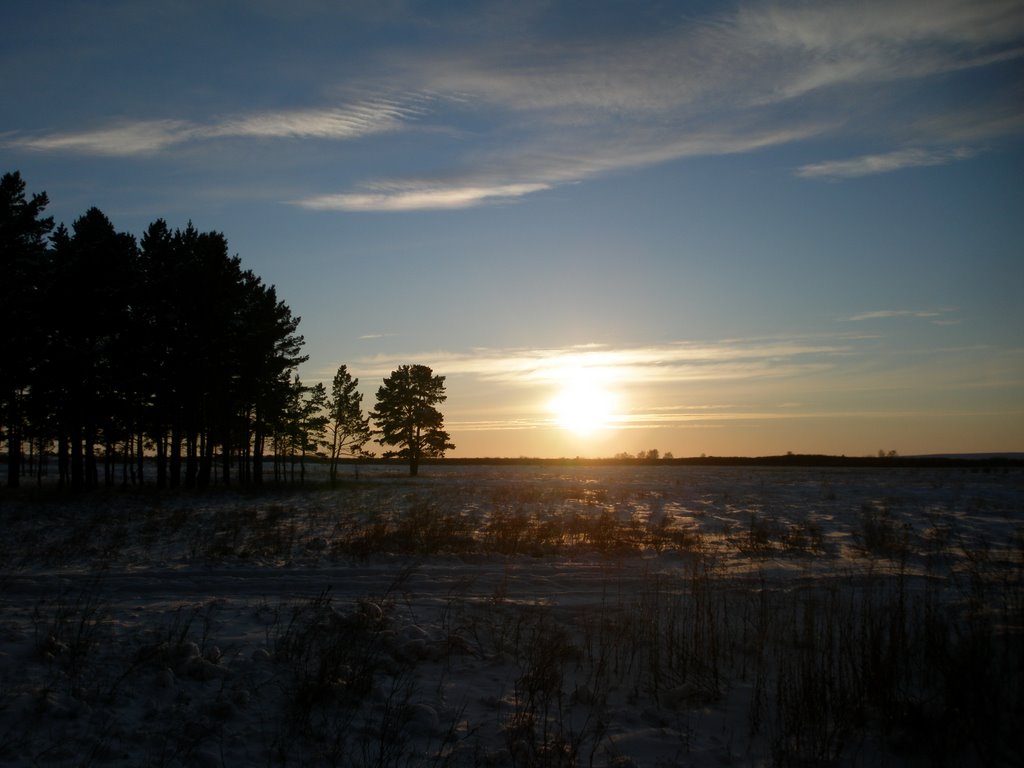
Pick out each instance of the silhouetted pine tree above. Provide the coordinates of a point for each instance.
(23, 234)
(112, 346)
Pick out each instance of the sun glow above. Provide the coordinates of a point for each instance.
(583, 404)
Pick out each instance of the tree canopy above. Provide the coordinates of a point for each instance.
(113, 347)
(115, 350)
(347, 429)
(23, 262)
(407, 417)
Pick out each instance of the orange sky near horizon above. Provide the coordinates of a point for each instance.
(750, 397)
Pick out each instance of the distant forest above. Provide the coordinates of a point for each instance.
(114, 348)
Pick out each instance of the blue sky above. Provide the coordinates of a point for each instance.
(722, 228)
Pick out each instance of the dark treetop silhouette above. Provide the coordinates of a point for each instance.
(23, 264)
(406, 415)
(165, 345)
(347, 430)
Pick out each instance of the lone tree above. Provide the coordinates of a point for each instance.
(347, 429)
(406, 415)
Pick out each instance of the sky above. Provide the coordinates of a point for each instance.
(721, 228)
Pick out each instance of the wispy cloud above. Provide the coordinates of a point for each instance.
(498, 425)
(854, 43)
(699, 417)
(979, 124)
(571, 110)
(496, 179)
(410, 196)
(939, 317)
(682, 361)
(350, 122)
(757, 54)
(144, 137)
(547, 110)
(702, 384)
(136, 138)
(868, 165)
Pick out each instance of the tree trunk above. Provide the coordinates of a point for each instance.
(206, 461)
(414, 454)
(41, 466)
(161, 460)
(127, 461)
(175, 456)
(225, 469)
(140, 459)
(91, 470)
(63, 459)
(109, 463)
(191, 465)
(257, 455)
(13, 449)
(77, 472)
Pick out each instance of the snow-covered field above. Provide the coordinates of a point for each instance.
(521, 616)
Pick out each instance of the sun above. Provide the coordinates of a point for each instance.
(583, 406)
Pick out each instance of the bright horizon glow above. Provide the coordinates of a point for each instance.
(750, 227)
(584, 405)
(689, 399)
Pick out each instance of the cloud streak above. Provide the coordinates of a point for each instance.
(549, 110)
(758, 54)
(936, 316)
(144, 137)
(869, 165)
(661, 364)
(714, 86)
(125, 139)
(703, 385)
(856, 43)
(415, 196)
(671, 384)
(542, 170)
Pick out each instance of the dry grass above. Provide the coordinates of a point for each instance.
(896, 636)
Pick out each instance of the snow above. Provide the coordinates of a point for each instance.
(521, 616)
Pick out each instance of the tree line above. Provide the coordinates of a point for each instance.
(115, 349)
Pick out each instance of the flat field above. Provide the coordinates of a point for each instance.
(521, 616)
